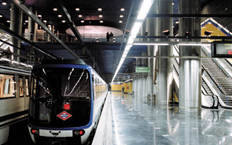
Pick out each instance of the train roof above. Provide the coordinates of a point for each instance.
(64, 61)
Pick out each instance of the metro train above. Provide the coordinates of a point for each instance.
(66, 100)
(14, 97)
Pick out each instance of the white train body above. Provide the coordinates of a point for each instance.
(14, 98)
(65, 103)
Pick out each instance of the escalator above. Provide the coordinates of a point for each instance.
(209, 99)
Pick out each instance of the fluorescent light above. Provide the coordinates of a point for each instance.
(193, 44)
(151, 43)
(146, 5)
(15, 62)
(135, 28)
(130, 40)
(5, 59)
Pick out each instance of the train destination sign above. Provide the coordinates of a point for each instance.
(221, 49)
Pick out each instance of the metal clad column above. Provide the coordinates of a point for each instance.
(165, 67)
(151, 27)
(190, 69)
(16, 17)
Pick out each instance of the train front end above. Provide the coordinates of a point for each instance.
(61, 103)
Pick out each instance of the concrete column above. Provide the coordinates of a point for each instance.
(16, 26)
(165, 66)
(190, 69)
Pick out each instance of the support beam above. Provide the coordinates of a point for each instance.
(185, 37)
(15, 35)
(189, 15)
(37, 20)
(181, 57)
(71, 24)
(64, 12)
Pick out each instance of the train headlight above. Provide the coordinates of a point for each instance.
(78, 132)
(66, 106)
(34, 131)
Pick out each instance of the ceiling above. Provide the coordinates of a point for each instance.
(103, 55)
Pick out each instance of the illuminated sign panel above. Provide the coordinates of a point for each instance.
(221, 49)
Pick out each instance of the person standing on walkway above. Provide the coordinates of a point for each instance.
(123, 91)
(107, 36)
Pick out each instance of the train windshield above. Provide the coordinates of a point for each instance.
(60, 97)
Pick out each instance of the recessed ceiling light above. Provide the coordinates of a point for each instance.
(99, 9)
(100, 16)
(26, 21)
(8, 21)
(54, 9)
(63, 21)
(82, 21)
(39, 16)
(4, 3)
(120, 21)
(101, 21)
(77, 9)
(122, 9)
(79, 16)
(173, 4)
(121, 16)
(45, 21)
(59, 16)
(0, 16)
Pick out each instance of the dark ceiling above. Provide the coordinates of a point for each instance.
(104, 53)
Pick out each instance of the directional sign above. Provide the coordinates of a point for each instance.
(142, 69)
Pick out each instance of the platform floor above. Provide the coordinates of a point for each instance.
(137, 121)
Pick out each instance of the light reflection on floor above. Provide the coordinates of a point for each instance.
(139, 122)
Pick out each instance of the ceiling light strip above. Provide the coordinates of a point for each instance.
(142, 13)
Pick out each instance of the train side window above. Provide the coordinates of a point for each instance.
(33, 88)
(21, 86)
(26, 86)
(7, 86)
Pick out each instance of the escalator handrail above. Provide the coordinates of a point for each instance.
(208, 73)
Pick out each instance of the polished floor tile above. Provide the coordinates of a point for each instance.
(137, 121)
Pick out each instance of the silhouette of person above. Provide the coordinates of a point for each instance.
(107, 36)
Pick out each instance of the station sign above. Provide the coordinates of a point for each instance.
(142, 69)
(221, 49)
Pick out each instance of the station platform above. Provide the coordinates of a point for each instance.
(138, 121)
